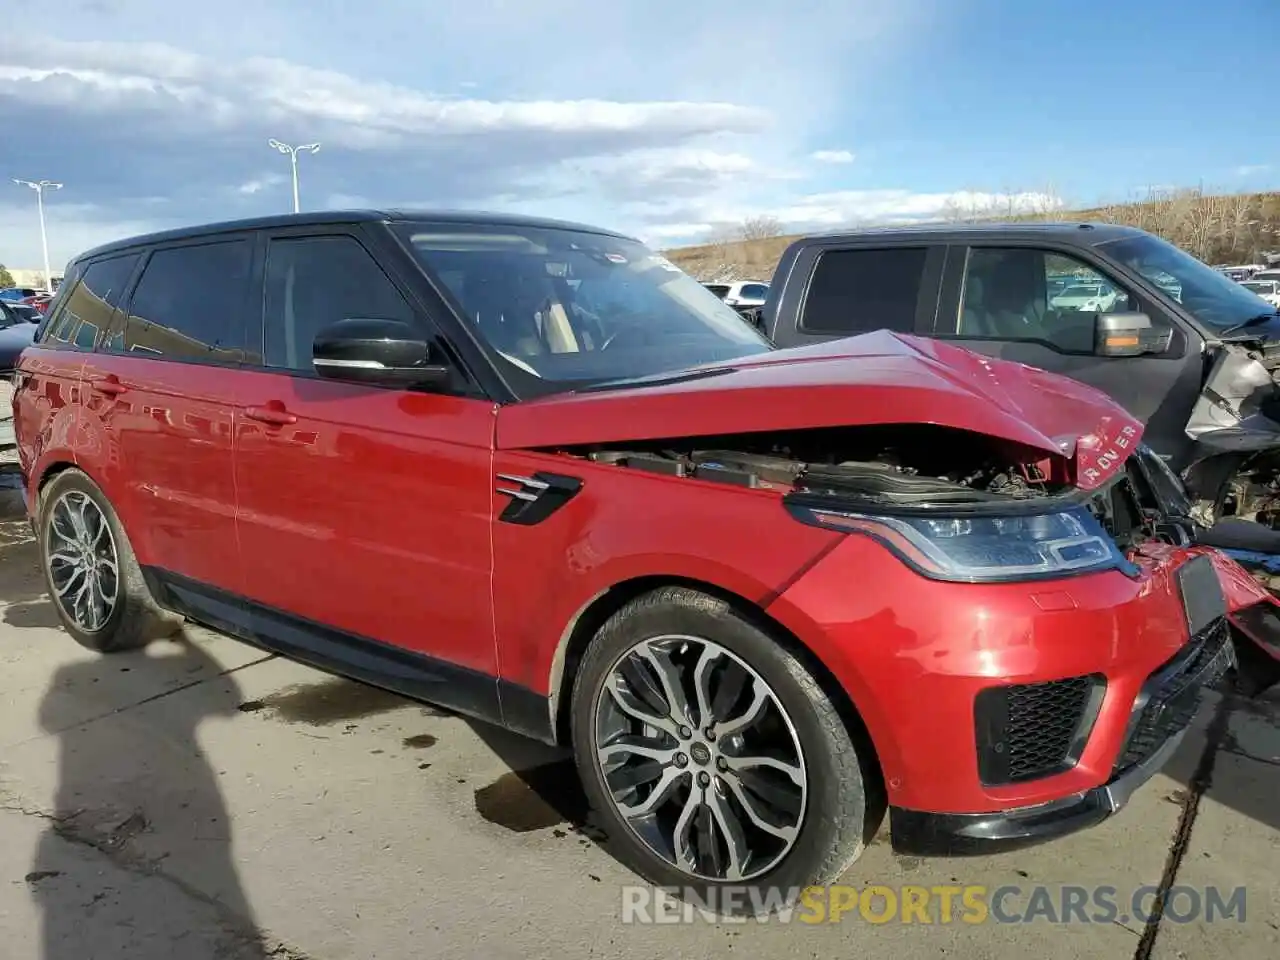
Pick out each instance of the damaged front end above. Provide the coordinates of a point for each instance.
(959, 506)
(953, 504)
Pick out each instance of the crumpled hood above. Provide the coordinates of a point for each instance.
(876, 378)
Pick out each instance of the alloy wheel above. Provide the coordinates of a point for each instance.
(700, 758)
(83, 564)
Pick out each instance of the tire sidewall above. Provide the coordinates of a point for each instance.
(831, 793)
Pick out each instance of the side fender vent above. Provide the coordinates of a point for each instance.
(535, 498)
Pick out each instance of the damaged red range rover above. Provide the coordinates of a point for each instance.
(532, 472)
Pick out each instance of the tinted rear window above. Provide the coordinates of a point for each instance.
(190, 304)
(856, 291)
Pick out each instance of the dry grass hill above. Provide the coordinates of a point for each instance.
(1217, 228)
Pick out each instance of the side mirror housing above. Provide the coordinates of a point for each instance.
(1127, 335)
(388, 353)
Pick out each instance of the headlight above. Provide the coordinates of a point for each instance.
(982, 549)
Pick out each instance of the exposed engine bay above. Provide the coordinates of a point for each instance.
(891, 464)
(912, 465)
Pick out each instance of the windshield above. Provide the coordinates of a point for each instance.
(1210, 296)
(568, 308)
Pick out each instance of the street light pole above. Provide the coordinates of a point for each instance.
(40, 186)
(293, 163)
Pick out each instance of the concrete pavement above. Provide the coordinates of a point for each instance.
(202, 799)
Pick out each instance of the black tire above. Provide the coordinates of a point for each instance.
(136, 619)
(843, 809)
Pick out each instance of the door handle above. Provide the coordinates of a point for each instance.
(111, 386)
(273, 414)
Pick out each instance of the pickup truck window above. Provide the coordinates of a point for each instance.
(856, 291)
(1020, 293)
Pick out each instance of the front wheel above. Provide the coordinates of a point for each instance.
(714, 757)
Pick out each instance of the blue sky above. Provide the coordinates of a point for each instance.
(672, 120)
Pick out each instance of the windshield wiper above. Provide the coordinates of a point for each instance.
(653, 380)
(1251, 322)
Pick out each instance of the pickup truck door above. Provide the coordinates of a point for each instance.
(1037, 305)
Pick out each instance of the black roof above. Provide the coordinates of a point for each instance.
(331, 217)
(1079, 233)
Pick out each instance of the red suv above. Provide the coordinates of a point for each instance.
(533, 472)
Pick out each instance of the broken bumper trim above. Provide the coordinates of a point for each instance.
(924, 834)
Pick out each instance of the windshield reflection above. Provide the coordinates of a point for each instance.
(564, 308)
(1211, 297)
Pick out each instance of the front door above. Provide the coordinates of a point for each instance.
(1038, 307)
(363, 511)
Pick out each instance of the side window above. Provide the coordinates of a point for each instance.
(754, 291)
(856, 291)
(312, 282)
(189, 304)
(1019, 293)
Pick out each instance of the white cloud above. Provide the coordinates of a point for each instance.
(600, 112)
(852, 208)
(258, 184)
(832, 156)
(898, 206)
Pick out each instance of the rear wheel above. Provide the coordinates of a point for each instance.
(713, 756)
(94, 581)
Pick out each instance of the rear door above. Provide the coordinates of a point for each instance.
(160, 401)
(1038, 304)
(842, 291)
(365, 509)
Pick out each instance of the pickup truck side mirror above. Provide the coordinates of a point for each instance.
(388, 353)
(1127, 335)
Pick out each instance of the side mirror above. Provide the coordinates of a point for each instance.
(388, 353)
(1127, 335)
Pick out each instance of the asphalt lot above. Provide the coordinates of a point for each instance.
(202, 799)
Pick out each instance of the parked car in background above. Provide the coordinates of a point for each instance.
(398, 446)
(20, 294)
(1090, 297)
(1268, 290)
(741, 293)
(18, 324)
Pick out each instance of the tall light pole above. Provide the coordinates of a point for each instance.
(40, 186)
(293, 162)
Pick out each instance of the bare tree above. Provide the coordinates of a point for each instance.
(763, 227)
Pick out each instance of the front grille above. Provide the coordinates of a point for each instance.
(1170, 698)
(1030, 730)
